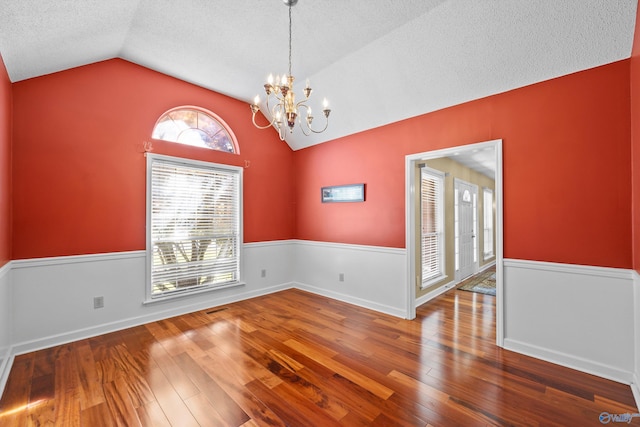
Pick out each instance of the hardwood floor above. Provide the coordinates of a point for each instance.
(298, 359)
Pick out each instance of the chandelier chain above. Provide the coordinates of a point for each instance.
(290, 39)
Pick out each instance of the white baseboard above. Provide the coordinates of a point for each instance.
(570, 361)
(360, 302)
(5, 369)
(435, 293)
(635, 389)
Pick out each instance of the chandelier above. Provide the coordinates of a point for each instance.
(281, 106)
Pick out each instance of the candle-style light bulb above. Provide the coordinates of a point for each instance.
(256, 100)
(270, 79)
(325, 104)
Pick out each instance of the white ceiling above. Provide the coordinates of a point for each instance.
(377, 61)
(481, 160)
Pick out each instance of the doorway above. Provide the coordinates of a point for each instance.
(491, 150)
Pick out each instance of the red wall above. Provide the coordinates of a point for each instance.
(79, 168)
(79, 171)
(567, 174)
(635, 142)
(5, 165)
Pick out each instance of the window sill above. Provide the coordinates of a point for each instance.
(433, 281)
(187, 293)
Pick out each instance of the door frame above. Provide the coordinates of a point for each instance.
(410, 226)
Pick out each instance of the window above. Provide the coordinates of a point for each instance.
(196, 127)
(193, 231)
(488, 222)
(432, 224)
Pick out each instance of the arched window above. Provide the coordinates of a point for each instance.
(196, 127)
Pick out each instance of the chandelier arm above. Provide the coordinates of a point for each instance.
(253, 119)
(303, 126)
(255, 109)
(326, 125)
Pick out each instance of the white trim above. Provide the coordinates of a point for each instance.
(433, 281)
(360, 302)
(5, 369)
(587, 270)
(499, 246)
(435, 293)
(570, 361)
(270, 243)
(190, 292)
(383, 249)
(410, 234)
(5, 269)
(635, 389)
(74, 259)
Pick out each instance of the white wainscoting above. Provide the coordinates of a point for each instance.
(54, 296)
(374, 277)
(577, 316)
(6, 310)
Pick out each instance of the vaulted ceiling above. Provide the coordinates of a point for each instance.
(377, 61)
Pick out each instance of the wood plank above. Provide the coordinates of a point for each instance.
(121, 408)
(363, 381)
(205, 412)
(151, 415)
(97, 415)
(228, 409)
(228, 375)
(169, 400)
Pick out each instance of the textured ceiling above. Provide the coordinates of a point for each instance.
(377, 61)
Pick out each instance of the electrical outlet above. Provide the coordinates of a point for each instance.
(341, 277)
(263, 273)
(98, 302)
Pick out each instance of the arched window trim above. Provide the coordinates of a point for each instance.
(224, 126)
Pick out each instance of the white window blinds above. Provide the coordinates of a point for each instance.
(194, 225)
(432, 225)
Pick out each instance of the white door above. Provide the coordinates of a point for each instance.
(466, 237)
